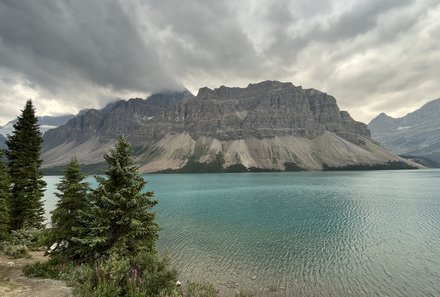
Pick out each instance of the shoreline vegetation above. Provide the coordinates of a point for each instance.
(33, 275)
(60, 256)
(213, 167)
(390, 165)
(102, 241)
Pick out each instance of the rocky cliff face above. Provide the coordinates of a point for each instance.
(264, 110)
(130, 118)
(417, 133)
(265, 125)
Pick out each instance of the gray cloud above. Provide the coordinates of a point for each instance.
(373, 56)
(91, 39)
(73, 50)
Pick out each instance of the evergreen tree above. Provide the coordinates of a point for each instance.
(121, 221)
(66, 217)
(5, 200)
(23, 154)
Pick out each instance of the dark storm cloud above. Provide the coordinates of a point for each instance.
(63, 45)
(372, 55)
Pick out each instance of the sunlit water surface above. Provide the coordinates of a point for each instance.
(365, 233)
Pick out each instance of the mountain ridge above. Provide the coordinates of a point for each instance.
(264, 125)
(417, 133)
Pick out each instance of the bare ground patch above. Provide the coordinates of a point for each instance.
(14, 284)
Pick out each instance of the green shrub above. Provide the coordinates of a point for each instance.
(15, 250)
(50, 269)
(20, 242)
(103, 279)
(86, 281)
(144, 275)
(150, 275)
(32, 238)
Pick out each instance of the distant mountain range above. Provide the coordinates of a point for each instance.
(266, 126)
(417, 134)
(46, 123)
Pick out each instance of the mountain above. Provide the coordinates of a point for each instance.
(416, 134)
(92, 133)
(266, 126)
(46, 123)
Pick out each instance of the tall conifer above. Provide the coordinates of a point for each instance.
(66, 217)
(121, 220)
(5, 200)
(23, 154)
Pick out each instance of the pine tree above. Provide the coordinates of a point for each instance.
(23, 154)
(5, 200)
(121, 221)
(67, 215)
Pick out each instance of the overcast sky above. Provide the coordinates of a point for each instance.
(372, 55)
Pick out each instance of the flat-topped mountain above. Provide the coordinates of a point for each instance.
(416, 134)
(266, 110)
(269, 125)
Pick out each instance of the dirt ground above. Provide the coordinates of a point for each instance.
(14, 284)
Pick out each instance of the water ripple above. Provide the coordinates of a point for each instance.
(303, 234)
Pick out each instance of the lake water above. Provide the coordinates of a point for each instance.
(364, 233)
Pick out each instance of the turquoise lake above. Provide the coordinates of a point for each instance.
(358, 233)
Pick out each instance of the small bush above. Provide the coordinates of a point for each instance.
(49, 269)
(32, 238)
(149, 275)
(20, 242)
(144, 275)
(15, 250)
(102, 279)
